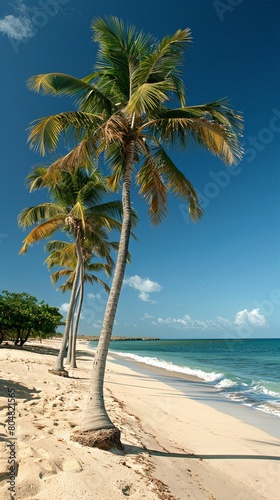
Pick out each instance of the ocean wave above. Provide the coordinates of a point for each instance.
(225, 383)
(261, 395)
(166, 365)
(272, 409)
(261, 387)
(260, 399)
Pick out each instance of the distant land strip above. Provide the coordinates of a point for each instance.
(96, 337)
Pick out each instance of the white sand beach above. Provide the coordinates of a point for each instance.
(175, 447)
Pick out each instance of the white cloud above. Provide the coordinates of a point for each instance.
(144, 285)
(186, 323)
(97, 324)
(147, 316)
(144, 296)
(18, 27)
(223, 321)
(93, 296)
(64, 307)
(254, 318)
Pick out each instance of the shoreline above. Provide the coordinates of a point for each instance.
(176, 447)
(193, 386)
(245, 378)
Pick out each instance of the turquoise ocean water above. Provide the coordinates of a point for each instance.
(247, 371)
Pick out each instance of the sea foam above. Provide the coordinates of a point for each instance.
(166, 365)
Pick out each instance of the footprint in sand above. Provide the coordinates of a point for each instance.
(28, 451)
(71, 465)
(53, 467)
(127, 489)
(48, 468)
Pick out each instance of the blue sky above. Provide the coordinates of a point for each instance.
(214, 279)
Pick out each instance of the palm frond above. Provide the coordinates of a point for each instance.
(60, 84)
(34, 215)
(100, 266)
(162, 64)
(78, 213)
(112, 209)
(149, 96)
(67, 285)
(213, 126)
(92, 192)
(84, 155)
(44, 133)
(152, 189)
(37, 178)
(61, 253)
(57, 245)
(62, 273)
(115, 160)
(94, 279)
(177, 183)
(44, 230)
(120, 49)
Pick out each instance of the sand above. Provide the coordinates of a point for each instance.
(175, 447)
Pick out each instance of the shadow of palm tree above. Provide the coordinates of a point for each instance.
(41, 349)
(20, 392)
(136, 450)
(32, 348)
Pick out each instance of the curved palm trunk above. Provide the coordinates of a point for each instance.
(95, 416)
(73, 362)
(73, 323)
(70, 336)
(59, 368)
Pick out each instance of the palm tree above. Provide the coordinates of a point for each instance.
(131, 108)
(77, 211)
(63, 253)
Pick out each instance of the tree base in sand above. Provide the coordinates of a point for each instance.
(104, 439)
(60, 373)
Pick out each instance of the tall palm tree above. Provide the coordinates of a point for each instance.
(63, 254)
(131, 108)
(78, 212)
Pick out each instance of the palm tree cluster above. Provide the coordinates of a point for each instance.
(130, 110)
(76, 208)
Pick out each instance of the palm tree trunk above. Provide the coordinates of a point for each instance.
(73, 362)
(71, 358)
(72, 328)
(59, 368)
(95, 416)
(70, 337)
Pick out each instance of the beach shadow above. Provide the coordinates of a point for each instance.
(20, 391)
(263, 442)
(203, 395)
(40, 349)
(82, 356)
(137, 450)
(3, 437)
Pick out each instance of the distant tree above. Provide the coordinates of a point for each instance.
(21, 315)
